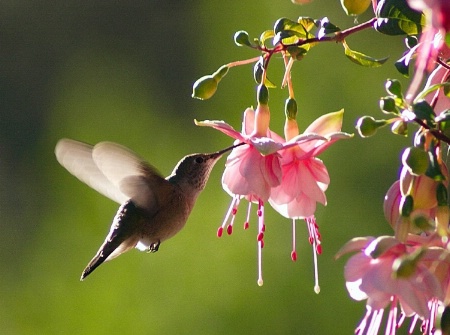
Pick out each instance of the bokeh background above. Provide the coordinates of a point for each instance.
(123, 71)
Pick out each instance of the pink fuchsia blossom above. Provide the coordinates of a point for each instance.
(253, 169)
(305, 178)
(389, 273)
(391, 207)
(437, 99)
(432, 41)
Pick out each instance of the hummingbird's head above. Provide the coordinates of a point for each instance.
(192, 171)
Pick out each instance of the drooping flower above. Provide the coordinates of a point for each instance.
(432, 41)
(305, 177)
(438, 99)
(412, 275)
(252, 170)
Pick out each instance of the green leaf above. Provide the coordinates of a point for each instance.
(298, 52)
(362, 59)
(326, 27)
(258, 72)
(265, 35)
(424, 111)
(306, 22)
(395, 17)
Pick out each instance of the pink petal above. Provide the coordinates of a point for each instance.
(223, 127)
(325, 124)
(248, 122)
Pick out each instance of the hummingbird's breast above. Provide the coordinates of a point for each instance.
(167, 221)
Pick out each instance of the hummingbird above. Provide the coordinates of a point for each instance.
(153, 208)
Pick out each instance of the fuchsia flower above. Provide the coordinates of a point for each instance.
(305, 178)
(252, 170)
(284, 172)
(438, 99)
(386, 272)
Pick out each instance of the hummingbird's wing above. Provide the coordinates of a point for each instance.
(76, 157)
(132, 175)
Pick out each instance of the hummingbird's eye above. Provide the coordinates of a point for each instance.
(199, 160)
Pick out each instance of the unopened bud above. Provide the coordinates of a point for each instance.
(241, 38)
(205, 87)
(263, 94)
(415, 160)
(399, 127)
(387, 105)
(404, 267)
(368, 126)
(406, 206)
(290, 108)
(394, 87)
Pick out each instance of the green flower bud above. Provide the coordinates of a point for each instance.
(387, 105)
(220, 73)
(394, 87)
(368, 126)
(205, 87)
(241, 38)
(415, 160)
(404, 267)
(406, 206)
(400, 127)
(290, 108)
(441, 195)
(263, 94)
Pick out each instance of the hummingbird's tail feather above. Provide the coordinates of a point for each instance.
(108, 251)
(120, 239)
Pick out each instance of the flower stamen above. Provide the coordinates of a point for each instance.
(260, 240)
(247, 219)
(293, 252)
(314, 239)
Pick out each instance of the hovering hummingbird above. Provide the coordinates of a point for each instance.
(153, 208)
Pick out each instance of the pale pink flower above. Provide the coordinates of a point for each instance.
(389, 273)
(253, 169)
(305, 178)
(432, 44)
(437, 99)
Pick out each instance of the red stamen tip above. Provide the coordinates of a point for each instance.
(294, 255)
(246, 225)
(259, 212)
(229, 229)
(262, 243)
(220, 232)
(263, 228)
(234, 211)
(311, 240)
(319, 249)
(260, 237)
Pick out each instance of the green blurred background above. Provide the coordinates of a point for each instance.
(123, 71)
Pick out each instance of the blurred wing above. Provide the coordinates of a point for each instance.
(76, 157)
(132, 175)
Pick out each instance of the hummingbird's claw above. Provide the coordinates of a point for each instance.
(154, 246)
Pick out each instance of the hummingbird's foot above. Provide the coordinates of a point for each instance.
(154, 247)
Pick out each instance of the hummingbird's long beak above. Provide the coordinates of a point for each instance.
(221, 152)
